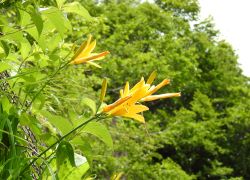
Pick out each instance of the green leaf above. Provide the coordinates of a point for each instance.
(31, 122)
(4, 66)
(25, 48)
(58, 121)
(60, 3)
(53, 42)
(77, 8)
(12, 34)
(79, 159)
(37, 20)
(90, 103)
(57, 19)
(33, 32)
(85, 147)
(77, 172)
(25, 18)
(3, 117)
(99, 130)
(66, 161)
(6, 105)
(64, 154)
(5, 47)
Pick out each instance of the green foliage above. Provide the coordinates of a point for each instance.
(199, 131)
(100, 131)
(34, 50)
(49, 122)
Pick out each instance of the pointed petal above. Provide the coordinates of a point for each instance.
(137, 117)
(88, 49)
(83, 47)
(137, 109)
(88, 58)
(127, 109)
(115, 104)
(100, 58)
(138, 85)
(94, 64)
(161, 96)
(159, 86)
(139, 94)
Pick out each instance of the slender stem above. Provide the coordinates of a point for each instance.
(62, 138)
(46, 83)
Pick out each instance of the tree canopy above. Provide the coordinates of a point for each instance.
(204, 134)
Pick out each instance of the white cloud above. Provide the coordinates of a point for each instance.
(231, 17)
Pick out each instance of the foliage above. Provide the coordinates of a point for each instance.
(40, 107)
(50, 121)
(196, 130)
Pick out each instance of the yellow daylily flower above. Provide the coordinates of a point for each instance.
(84, 53)
(128, 103)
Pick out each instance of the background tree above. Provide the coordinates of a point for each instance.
(196, 131)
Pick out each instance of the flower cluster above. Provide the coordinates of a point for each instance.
(129, 104)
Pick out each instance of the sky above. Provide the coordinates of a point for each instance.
(232, 19)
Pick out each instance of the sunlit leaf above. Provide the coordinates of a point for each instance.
(57, 19)
(58, 121)
(25, 48)
(99, 130)
(90, 103)
(4, 66)
(79, 159)
(65, 154)
(11, 34)
(60, 3)
(85, 147)
(33, 32)
(77, 172)
(25, 18)
(5, 47)
(53, 42)
(76, 8)
(37, 20)
(66, 162)
(6, 105)
(31, 122)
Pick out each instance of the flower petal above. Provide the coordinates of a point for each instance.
(88, 49)
(161, 96)
(137, 109)
(88, 58)
(94, 64)
(137, 117)
(138, 85)
(159, 86)
(116, 104)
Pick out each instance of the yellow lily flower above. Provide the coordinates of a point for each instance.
(84, 53)
(128, 103)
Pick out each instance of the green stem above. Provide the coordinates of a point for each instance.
(62, 138)
(46, 83)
